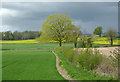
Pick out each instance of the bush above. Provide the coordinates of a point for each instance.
(59, 49)
(115, 57)
(89, 59)
(68, 53)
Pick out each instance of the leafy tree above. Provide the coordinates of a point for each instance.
(25, 35)
(75, 35)
(30, 34)
(111, 34)
(1, 36)
(56, 27)
(17, 35)
(8, 35)
(98, 31)
(89, 42)
(43, 38)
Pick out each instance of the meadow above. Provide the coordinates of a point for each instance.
(31, 61)
(29, 65)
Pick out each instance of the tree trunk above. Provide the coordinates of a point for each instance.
(111, 41)
(60, 43)
(75, 44)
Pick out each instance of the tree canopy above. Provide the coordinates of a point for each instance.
(111, 34)
(98, 31)
(57, 27)
(75, 34)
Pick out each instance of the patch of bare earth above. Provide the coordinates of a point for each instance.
(60, 70)
(104, 51)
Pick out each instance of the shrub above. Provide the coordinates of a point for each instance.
(108, 67)
(114, 59)
(89, 59)
(68, 53)
(59, 49)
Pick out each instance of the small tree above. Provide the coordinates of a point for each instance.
(76, 32)
(111, 34)
(56, 27)
(83, 42)
(98, 31)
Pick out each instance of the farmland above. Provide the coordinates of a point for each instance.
(59, 41)
(29, 65)
(96, 40)
(20, 60)
(37, 62)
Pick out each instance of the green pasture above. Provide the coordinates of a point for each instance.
(33, 45)
(28, 64)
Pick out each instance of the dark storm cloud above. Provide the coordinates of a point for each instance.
(29, 16)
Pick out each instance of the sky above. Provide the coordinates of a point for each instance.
(29, 16)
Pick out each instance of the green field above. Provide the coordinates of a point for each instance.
(25, 64)
(21, 62)
(33, 45)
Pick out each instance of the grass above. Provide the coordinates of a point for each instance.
(77, 72)
(33, 45)
(29, 65)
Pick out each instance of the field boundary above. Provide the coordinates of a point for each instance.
(60, 70)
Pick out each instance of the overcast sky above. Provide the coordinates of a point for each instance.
(30, 15)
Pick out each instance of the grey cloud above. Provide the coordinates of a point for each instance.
(31, 15)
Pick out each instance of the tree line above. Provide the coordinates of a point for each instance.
(19, 35)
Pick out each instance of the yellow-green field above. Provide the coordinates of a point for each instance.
(104, 40)
(96, 40)
(115, 42)
(20, 41)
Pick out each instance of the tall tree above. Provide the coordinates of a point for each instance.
(8, 35)
(17, 35)
(98, 31)
(25, 35)
(1, 36)
(111, 34)
(56, 27)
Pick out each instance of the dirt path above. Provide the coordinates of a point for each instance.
(60, 70)
(106, 51)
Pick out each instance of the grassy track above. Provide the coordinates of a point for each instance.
(29, 65)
